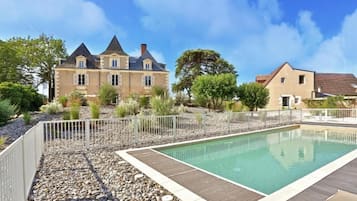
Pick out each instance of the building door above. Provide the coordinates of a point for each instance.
(286, 101)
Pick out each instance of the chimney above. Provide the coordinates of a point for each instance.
(143, 49)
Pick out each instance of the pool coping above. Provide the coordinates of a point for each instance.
(284, 193)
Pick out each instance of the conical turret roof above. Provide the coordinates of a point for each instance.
(114, 47)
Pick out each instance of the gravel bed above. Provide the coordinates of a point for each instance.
(92, 175)
(17, 127)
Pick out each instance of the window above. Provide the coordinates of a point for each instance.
(282, 80)
(297, 100)
(81, 64)
(147, 81)
(81, 79)
(115, 80)
(114, 63)
(286, 101)
(147, 66)
(301, 79)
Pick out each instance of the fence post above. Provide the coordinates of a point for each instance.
(301, 115)
(325, 114)
(174, 126)
(291, 116)
(265, 118)
(279, 116)
(87, 132)
(228, 122)
(136, 129)
(204, 123)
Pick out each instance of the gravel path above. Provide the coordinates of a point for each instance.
(93, 175)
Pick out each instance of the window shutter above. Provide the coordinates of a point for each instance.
(75, 79)
(280, 100)
(87, 79)
(119, 79)
(143, 80)
(152, 80)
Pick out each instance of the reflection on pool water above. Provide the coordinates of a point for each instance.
(266, 161)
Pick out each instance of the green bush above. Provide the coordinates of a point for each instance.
(94, 110)
(107, 94)
(201, 101)
(24, 97)
(162, 106)
(120, 111)
(76, 97)
(27, 118)
(144, 101)
(159, 91)
(180, 98)
(63, 100)
(52, 108)
(75, 108)
(6, 111)
(66, 115)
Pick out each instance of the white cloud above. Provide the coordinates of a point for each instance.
(253, 35)
(158, 56)
(66, 18)
(338, 53)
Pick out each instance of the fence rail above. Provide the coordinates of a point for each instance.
(19, 161)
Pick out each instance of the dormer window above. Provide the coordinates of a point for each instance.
(114, 63)
(81, 64)
(147, 64)
(81, 61)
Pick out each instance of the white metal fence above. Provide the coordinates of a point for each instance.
(148, 130)
(19, 161)
(18, 165)
(347, 116)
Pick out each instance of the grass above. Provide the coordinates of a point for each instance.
(2, 142)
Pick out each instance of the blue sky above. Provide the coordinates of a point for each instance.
(255, 36)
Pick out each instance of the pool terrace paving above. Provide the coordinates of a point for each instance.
(204, 185)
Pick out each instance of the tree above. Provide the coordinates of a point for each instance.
(215, 88)
(253, 95)
(44, 53)
(12, 68)
(193, 63)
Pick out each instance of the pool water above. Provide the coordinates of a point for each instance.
(265, 161)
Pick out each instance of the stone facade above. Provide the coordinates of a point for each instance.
(86, 73)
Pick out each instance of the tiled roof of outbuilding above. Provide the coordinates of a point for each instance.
(336, 84)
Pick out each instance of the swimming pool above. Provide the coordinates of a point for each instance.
(266, 161)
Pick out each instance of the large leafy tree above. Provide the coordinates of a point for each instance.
(193, 63)
(215, 88)
(253, 95)
(12, 65)
(42, 54)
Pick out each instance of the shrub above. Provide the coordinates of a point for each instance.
(182, 109)
(180, 98)
(144, 101)
(52, 108)
(107, 94)
(2, 142)
(76, 97)
(94, 110)
(24, 97)
(201, 101)
(75, 108)
(27, 118)
(63, 100)
(162, 106)
(159, 91)
(66, 115)
(6, 111)
(120, 111)
(128, 107)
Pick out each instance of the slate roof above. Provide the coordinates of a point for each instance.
(114, 47)
(136, 63)
(336, 84)
(82, 50)
(93, 61)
